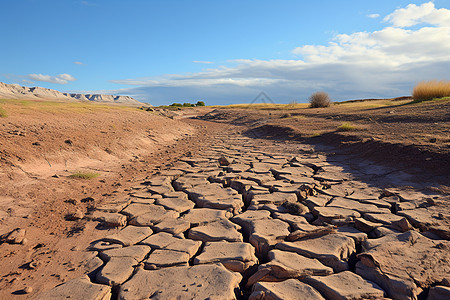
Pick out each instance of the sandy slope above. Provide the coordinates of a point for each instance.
(41, 145)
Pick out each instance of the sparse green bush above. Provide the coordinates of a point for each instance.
(319, 99)
(146, 108)
(346, 126)
(176, 104)
(188, 105)
(85, 175)
(429, 90)
(200, 103)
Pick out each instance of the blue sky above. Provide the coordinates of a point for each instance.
(225, 52)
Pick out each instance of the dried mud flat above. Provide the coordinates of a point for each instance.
(249, 217)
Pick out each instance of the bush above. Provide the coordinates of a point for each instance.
(319, 99)
(176, 104)
(429, 90)
(200, 103)
(188, 105)
(346, 126)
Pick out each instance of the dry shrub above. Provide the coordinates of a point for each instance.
(429, 90)
(319, 99)
(346, 126)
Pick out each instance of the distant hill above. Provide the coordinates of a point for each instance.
(15, 91)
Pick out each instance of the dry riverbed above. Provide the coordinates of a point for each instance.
(232, 206)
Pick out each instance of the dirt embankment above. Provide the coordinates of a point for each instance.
(41, 146)
(415, 137)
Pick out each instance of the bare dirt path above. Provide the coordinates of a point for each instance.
(245, 217)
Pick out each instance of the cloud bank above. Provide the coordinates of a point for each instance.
(59, 79)
(383, 63)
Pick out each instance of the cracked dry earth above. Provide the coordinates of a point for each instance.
(249, 219)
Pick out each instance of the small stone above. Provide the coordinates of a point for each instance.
(28, 290)
(103, 245)
(74, 216)
(32, 265)
(223, 161)
(16, 236)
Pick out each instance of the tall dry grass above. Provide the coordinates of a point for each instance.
(428, 90)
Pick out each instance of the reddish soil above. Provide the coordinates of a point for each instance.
(38, 153)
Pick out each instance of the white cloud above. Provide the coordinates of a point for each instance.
(59, 79)
(413, 15)
(202, 62)
(373, 16)
(88, 3)
(382, 63)
(78, 63)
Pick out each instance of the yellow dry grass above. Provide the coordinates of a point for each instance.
(264, 106)
(350, 105)
(29, 106)
(429, 90)
(346, 126)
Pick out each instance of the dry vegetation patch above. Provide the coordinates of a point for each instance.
(85, 175)
(346, 126)
(3, 113)
(429, 90)
(319, 99)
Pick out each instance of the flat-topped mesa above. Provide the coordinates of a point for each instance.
(41, 92)
(15, 91)
(81, 97)
(100, 98)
